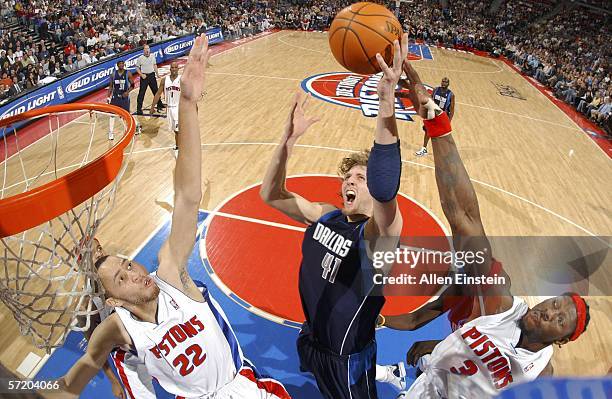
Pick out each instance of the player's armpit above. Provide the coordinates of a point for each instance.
(386, 221)
(173, 270)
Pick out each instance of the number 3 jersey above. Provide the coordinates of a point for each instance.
(484, 351)
(191, 350)
(336, 283)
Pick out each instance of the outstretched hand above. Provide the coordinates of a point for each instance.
(391, 75)
(297, 122)
(418, 95)
(192, 81)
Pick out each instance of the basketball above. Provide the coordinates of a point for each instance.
(213, 174)
(360, 31)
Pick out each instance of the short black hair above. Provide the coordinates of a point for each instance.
(99, 261)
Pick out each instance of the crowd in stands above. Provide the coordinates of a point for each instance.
(568, 52)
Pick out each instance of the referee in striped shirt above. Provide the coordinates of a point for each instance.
(146, 66)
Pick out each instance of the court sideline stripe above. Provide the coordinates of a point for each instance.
(576, 125)
(256, 220)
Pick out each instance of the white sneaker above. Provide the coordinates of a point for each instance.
(138, 130)
(175, 153)
(396, 375)
(421, 152)
(111, 136)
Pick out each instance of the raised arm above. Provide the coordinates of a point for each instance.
(175, 251)
(457, 195)
(385, 164)
(273, 189)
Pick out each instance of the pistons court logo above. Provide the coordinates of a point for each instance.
(356, 91)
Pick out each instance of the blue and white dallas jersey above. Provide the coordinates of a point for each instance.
(121, 84)
(192, 351)
(443, 99)
(336, 285)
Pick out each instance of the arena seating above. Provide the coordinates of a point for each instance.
(560, 46)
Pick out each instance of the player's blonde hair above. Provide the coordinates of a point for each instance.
(354, 159)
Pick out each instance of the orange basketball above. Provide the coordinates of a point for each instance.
(359, 32)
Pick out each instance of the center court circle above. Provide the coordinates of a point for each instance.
(253, 252)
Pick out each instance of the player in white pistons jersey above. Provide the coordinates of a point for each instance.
(134, 380)
(191, 339)
(486, 351)
(170, 86)
(176, 329)
(497, 340)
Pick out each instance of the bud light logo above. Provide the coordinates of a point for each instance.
(356, 91)
(30, 102)
(214, 35)
(90, 80)
(130, 63)
(178, 48)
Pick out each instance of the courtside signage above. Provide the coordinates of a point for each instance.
(87, 80)
(355, 91)
(182, 45)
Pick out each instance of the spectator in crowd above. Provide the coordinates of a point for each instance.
(31, 81)
(603, 112)
(16, 88)
(80, 61)
(70, 66)
(569, 52)
(6, 81)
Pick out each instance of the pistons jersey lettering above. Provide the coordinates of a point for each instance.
(172, 90)
(187, 360)
(177, 334)
(489, 354)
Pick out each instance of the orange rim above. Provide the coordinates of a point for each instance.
(41, 204)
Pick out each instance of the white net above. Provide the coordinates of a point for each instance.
(47, 276)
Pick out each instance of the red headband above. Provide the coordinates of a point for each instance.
(580, 316)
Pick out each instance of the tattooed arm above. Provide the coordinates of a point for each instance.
(175, 252)
(457, 195)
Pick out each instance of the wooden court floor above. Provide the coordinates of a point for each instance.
(535, 172)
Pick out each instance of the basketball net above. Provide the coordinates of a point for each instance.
(47, 276)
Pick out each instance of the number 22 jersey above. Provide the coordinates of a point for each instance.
(191, 350)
